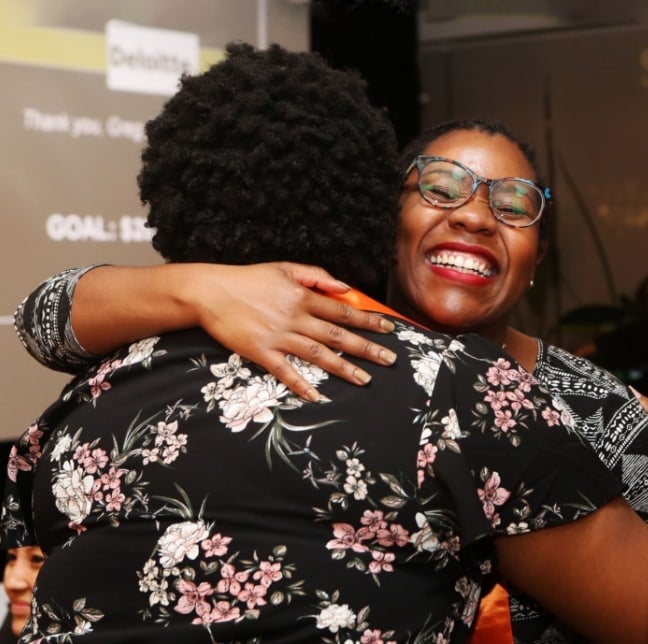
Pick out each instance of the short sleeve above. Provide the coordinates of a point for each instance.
(509, 455)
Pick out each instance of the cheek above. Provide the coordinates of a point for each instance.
(523, 255)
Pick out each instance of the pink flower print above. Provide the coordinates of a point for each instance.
(499, 373)
(382, 561)
(81, 453)
(98, 385)
(493, 495)
(395, 535)
(106, 367)
(111, 479)
(225, 612)
(216, 546)
(426, 456)
(346, 537)
(34, 452)
(267, 573)
(518, 399)
(526, 380)
(504, 420)
(551, 416)
(96, 493)
(15, 463)
(34, 434)
(373, 520)
(114, 500)
(192, 597)
(496, 399)
(373, 637)
(95, 460)
(231, 580)
(253, 595)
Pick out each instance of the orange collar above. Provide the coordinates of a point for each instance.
(357, 299)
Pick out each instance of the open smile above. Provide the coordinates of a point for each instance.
(461, 262)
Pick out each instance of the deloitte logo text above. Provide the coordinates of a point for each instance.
(149, 61)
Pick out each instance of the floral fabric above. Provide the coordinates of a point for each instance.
(184, 495)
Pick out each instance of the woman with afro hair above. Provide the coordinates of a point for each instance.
(184, 494)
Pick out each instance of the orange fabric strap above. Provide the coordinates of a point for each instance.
(359, 300)
(493, 621)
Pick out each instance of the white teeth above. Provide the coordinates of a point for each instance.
(462, 263)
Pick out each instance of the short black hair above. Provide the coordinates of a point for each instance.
(418, 145)
(273, 155)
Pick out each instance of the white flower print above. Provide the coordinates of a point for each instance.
(517, 528)
(181, 541)
(450, 424)
(408, 334)
(310, 372)
(62, 445)
(251, 402)
(425, 538)
(335, 617)
(426, 370)
(228, 372)
(140, 351)
(354, 467)
(72, 490)
(212, 392)
(357, 487)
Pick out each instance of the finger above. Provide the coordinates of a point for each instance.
(345, 341)
(285, 373)
(321, 355)
(336, 312)
(314, 277)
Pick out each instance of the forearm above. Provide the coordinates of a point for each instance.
(115, 305)
(70, 319)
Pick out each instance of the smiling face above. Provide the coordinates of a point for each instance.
(460, 270)
(20, 573)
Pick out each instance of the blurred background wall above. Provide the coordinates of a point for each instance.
(81, 77)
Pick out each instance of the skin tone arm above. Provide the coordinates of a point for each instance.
(591, 573)
(262, 312)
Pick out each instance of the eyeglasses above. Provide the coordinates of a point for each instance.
(445, 183)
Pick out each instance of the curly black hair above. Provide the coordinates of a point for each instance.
(418, 145)
(273, 155)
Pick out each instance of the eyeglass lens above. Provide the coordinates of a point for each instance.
(448, 185)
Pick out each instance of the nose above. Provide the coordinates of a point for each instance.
(475, 215)
(16, 576)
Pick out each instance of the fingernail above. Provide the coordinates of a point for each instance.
(387, 325)
(387, 357)
(361, 376)
(343, 285)
(313, 396)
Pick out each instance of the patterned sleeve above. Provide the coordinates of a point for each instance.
(43, 323)
(510, 455)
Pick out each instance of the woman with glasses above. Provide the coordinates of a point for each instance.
(469, 239)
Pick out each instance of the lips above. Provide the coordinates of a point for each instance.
(462, 261)
(20, 608)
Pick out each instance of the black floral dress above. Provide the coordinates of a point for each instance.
(184, 495)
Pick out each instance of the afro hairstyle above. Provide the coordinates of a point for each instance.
(273, 155)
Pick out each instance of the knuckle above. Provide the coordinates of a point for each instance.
(346, 313)
(315, 349)
(336, 334)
